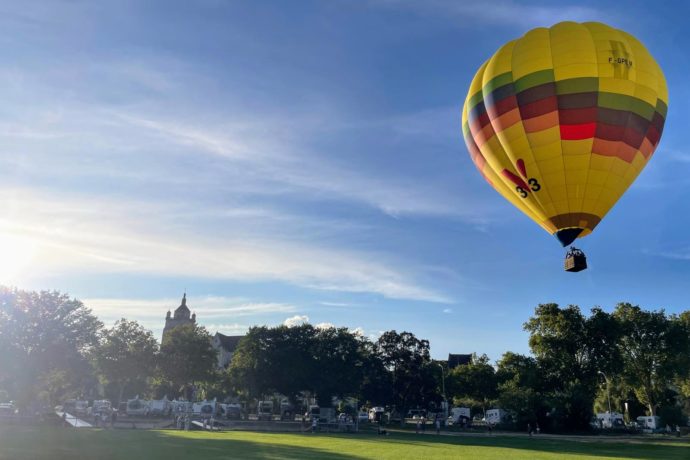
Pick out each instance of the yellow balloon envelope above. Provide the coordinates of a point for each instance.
(561, 121)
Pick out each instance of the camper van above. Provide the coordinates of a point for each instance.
(611, 420)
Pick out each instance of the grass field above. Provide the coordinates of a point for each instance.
(50, 443)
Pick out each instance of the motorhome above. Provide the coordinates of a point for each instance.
(233, 411)
(265, 410)
(160, 407)
(204, 408)
(649, 423)
(137, 406)
(287, 411)
(100, 406)
(459, 416)
(76, 407)
(495, 416)
(611, 420)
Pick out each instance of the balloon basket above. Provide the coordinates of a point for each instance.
(575, 260)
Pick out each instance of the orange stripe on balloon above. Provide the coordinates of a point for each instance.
(540, 123)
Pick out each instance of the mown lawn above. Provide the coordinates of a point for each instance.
(52, 443)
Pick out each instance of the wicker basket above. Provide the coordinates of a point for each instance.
(575, 263)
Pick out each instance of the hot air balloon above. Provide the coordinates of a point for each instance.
(562, 120)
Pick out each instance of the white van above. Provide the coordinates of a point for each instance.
(649, 423)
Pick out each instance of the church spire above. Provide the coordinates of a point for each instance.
(184, 298)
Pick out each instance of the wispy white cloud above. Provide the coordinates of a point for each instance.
(324, 325)
(502, 12)
(447, 310)
(77, 235)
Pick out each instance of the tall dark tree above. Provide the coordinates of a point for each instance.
(326, 362)
(187, 357)
(45, 339)
(274, 359)
(408, 360)
(571, 350)
(475, 381)
(338, 362)
(521, 389)
(653, 349)
(126, 356)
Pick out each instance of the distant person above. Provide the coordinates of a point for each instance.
(423, 424)
(677, 431)
(529, 429)
(538, 429)
(314, 424)
(418, 425)
(438, 425)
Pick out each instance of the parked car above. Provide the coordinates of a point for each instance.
(362, 417)
(416, 413)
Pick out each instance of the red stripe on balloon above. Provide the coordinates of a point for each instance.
(578, 132)
(515, 180)
(521, 167)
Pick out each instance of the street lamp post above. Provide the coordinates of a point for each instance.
(608, 393)
(443, 383)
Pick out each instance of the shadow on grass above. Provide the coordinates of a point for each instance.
(652, 450)
(19, 443)
(75, 444)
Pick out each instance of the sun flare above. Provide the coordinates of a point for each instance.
(16, 256)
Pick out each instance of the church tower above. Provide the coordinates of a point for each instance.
(179, 318)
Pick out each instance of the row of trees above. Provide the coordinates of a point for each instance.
(53, 347)
(637, 357)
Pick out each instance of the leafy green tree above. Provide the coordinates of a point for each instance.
(653, 350)
(338, 362)
(570, 350)
(289, 360)
(126, 355)
(520, 389)
(45, 338)
(187, 357)
(376, 386)
(274, 359)
(475, 380)
(408, 360)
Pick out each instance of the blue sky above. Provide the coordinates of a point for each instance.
(303, 160)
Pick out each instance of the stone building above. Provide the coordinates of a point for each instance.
(225, 345)
(179, 318)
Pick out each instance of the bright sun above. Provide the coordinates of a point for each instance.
(16, 255)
